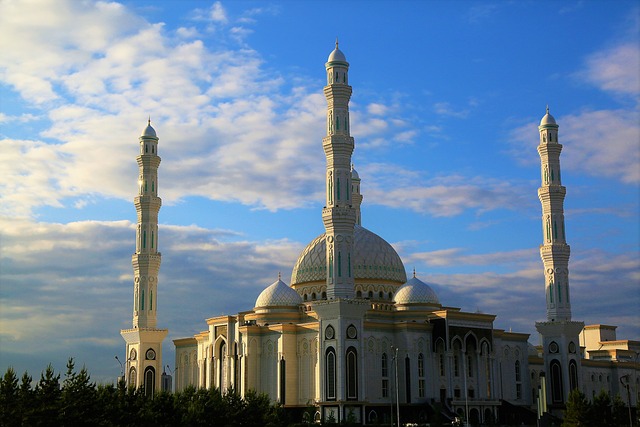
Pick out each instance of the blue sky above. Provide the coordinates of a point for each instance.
(446, 101)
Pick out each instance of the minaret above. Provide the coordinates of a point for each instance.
(144, 341)
(559, 334)
(554, 250)
(338, 215)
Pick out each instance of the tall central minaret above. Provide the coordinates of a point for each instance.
(559, 334)
(554, 250)
(338, 215)
(144, 340)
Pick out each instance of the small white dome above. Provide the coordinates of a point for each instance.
(337, 55)
(415, 291)
(149, 131)
(547, 119)
(354, 173)
(278, 294)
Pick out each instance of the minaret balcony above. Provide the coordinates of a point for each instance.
(148, 161)
(338, 91)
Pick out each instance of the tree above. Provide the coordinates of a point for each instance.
(9, 399)
(78, 405)
(619, 412)
(25, 399)
(577, 411)
(600, 413)
(47, 399)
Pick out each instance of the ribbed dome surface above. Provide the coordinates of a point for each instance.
(337, 56)
(278, 294)
(547, 119)
(149, 131)
(415, 291)
(374, 258)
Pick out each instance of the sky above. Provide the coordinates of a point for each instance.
(447, 97)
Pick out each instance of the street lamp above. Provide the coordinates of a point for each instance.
(121, 367)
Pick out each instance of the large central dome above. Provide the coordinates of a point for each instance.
(374, 259)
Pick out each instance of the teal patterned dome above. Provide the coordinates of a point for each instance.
(374, 259)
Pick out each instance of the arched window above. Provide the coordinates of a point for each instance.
(144, 239)
(132, 377)
(324, 295)
(556, 382)
(518, 380)
(440, 355)
(573, 375)
(421, 382)
(149, 381)
(370, 294)
(150, 300)
(407, 375)
(142, 301)
(282, 381)
(456, 365)
(385, 365)
(330, 374)
(352, 374)
(222, 368)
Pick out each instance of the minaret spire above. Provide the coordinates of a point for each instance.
(559, 334)
(338, 215)
(144, 340)
(554, 251)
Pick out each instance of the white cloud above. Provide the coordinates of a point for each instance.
(73, 279)
(517, 296)
(217, 13)
(441, 196)
(616, 69)
(445, 109)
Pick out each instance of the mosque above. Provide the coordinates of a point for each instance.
(352, 338)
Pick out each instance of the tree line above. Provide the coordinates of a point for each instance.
(601, 411)
(77, 401)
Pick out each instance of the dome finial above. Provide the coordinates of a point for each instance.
(149, 121)
(336, 42)
(414, 272)
(279, 276)
(547, 108)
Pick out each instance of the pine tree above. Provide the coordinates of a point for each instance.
(9, 399)
(577, 411)
(600, 414)
(47, 399)
(78, 397)
(26, 397)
